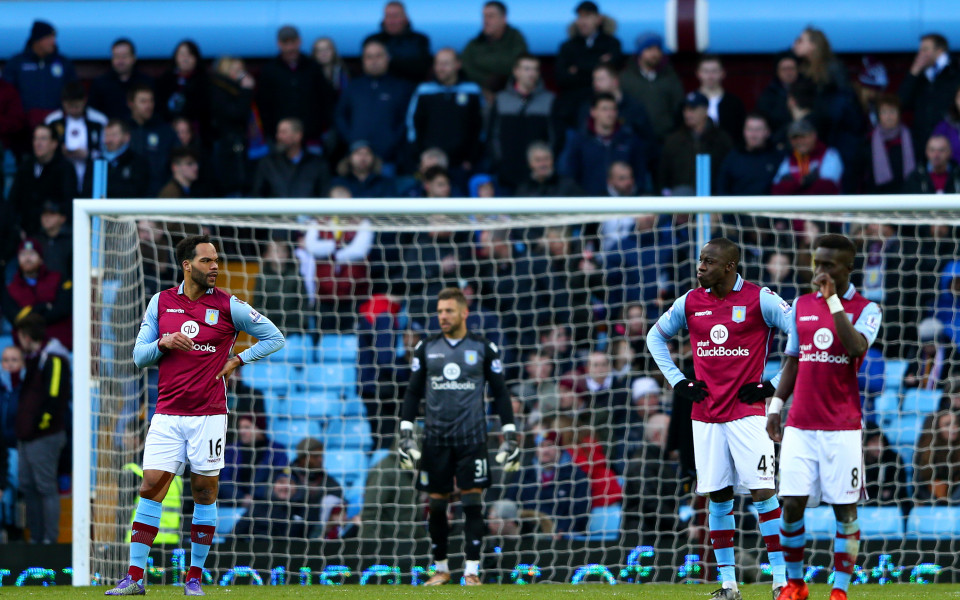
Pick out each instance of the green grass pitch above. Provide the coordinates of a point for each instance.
(543, 591)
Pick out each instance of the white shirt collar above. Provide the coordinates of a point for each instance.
(941, 64)
(593, 386)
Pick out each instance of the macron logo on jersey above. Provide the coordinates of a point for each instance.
(175, 310)
(703, 313)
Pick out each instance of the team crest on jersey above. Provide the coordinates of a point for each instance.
(739, 314)
(424, 478)
(213, 316)
(470, 356)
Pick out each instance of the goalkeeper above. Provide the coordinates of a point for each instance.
(450, 371)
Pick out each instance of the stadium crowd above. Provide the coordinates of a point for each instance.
(569, 306)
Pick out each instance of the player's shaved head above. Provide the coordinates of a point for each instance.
(727, 250)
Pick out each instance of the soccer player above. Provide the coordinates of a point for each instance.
(821, 455)
(730, 323)
(189, 332)
(450, 371)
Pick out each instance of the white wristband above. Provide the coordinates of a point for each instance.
(509, 428)
(405, 425)
(776, 405)
(834, 304)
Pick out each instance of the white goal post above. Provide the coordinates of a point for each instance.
(833, 208)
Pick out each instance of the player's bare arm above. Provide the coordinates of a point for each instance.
(175, 341)
(229, 367)
(788, 378)
(852, 340)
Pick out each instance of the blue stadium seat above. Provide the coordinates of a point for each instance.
(887, 408)
(228, 517)
(314, 404)
(771, 369)
(299, 350)
(871, 375)
(289, 432)
(354, 407)
(820, 523)
(377, 456)
(880, 522)
(349, 468)
(921, 401)
(340, 380)
(893, 371)
(5, 340)
(905, 430)
(268, 377)
(604, 523)
(348, 434)
(934, 522)
(340, 349)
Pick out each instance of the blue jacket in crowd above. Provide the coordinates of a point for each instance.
(250, 470)
(39, 81)
(748, 172)
(566, 498)
(587, 157)
(374, 109)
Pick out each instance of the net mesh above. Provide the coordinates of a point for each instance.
(568, 298)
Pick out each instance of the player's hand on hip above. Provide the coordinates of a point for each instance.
(693, 390)
(508, 454)
(176, 341)
(228, 368)
(773, 427)
(408, 450)
(751, 393)
(826, 285)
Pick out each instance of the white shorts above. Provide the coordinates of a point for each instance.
(174, 440)
(738, 453)
(823, 465)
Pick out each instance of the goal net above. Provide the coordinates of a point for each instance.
(313, 493)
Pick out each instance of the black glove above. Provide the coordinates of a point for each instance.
(693, 390)
(810, 178)
(408, 450)
(751, 393)
(509, 453)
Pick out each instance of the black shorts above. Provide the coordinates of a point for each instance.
(439, 465)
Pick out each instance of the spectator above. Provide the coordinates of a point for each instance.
(870, 84)
(380, 372)
(940, 175)
(12, 118)
(930, 366)
(250, 462)
(883, 470)
(947, 307)
(307, 471)
(436, 183)
(43, 176)
(183, 90)
(812, 168)
(373, 108)
(503, 519)
(409, 51)
(587, 453)
(589, 154)
(342, 271)
(937, 252)
(35, 289)
(412, 186)
(430, 263)
(749, 171)
(185, 171)
(156, 249)
(653, 82)
(489, 57)
(108, 93)
(591, 43)
(231, 100)
(646, 401)
(289, 171)
(779, 276)
(554, 486)
(12, 374)
(544, 182)
(279, 289)
(538, 389)
(42, 416)
(652, 485)
(633, 329)
(949, 127)
(604, 395)
(150, 137)
(773, 100)
(606, 80)
(678, 173)
(287, 513)
(892, 157)
(937, 458)
(328, 57)
(521, 114)
(79, 127)
(931, 85)
(294, 86)
(817, 62)
(56, 239)
(361, 173)
(39, 73)
(725, 109)
(481, 186)
(447, 114)
(128, 173)
(391, 510)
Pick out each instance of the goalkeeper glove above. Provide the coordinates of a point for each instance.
(407, 448)
(509, 453)
(751, 393)
(693, 390)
